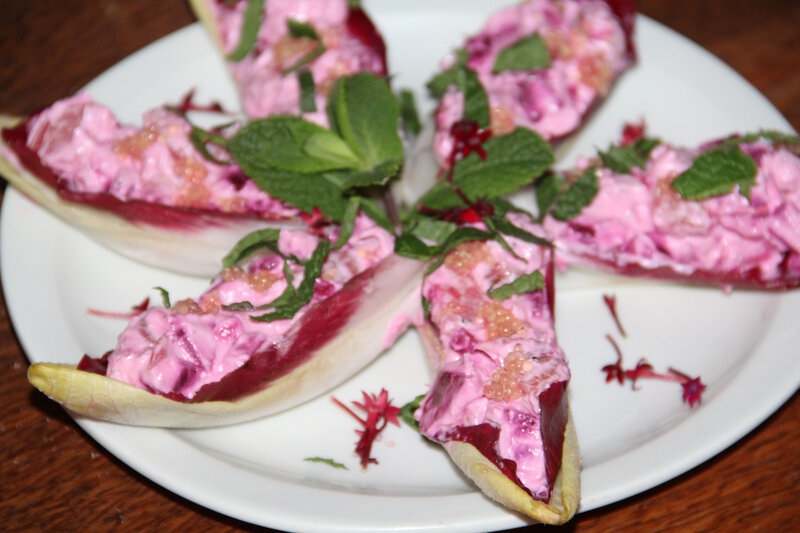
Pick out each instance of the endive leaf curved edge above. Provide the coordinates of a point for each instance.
(390, 297)
(194, 250)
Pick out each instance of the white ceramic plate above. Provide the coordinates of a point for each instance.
(631, 441)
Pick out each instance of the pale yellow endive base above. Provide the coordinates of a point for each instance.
(203, 14)
(566, 491)
(392, 294)
(194, 251)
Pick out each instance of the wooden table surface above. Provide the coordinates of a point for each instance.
(54, 477)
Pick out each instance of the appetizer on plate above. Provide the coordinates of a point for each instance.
(176, 196)
(498, 403)
(147, 192)
(539, 64)
(726, 213)
(286, 55)
(286, 320)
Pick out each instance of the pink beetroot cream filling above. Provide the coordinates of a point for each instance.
(588, 47)
(351, 45)
(638, 219)
(500, 358)
(91, 156)
(178, 351)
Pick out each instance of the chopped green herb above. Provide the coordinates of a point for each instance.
(308, 91)
(529, 53)
(264, 238)
(522, 285)
(622, 158)
(250, 26)
(303, 30)
(329, 462)
(407, 412)
(164, 297)
(715, 173)
(564, 200)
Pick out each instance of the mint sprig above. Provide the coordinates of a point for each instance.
(308, 166)
(622, 158)
(529, 53)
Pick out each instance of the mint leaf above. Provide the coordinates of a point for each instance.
(476, 103)
(327, 146)
(715, 173)
(432, 229)
(329, 462)
(407, 412)
(308, 90)
(409, 245)
(250, 26)
(303, 30)
(504, 226)
(523, 284)
(378, 176)
(239, 306)
(513, 160)
(365, 114)
(529, 53)
(564, 200)
(348, 222)
(459, 236)
(264, 238)
(622, 158)
(303, 191)
(441, 82)
(280, 141)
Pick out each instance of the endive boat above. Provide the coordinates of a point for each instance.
(280, 327)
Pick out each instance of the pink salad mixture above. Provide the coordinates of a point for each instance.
(588, 50)
(196, 341)
(91, 153)
(498, 356)
(639, 220)
(265, 89)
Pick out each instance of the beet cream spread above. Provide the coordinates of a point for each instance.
(351, 43)
(500, 383)
(588, 48)
(77, 146)
(637, 222)
(176, 351)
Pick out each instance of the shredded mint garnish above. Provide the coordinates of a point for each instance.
(622, 158)
(407, 412)
(564, 200)
(522, 285)
(265, 238)
(239, 306)
(250, 27)
(164, 297)
(529, 53)
(768, 135)
(715, 173)
(308, 90)
(504, 226)
(329, 462)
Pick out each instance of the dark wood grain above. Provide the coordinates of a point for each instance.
(53, 477)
